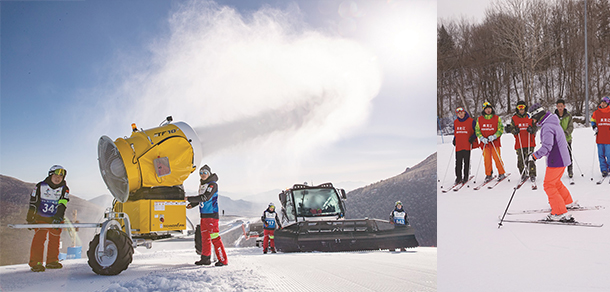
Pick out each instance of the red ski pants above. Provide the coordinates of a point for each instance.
(209, 236)
(491, 151)
(558, 194)
(268, 240)
(37, 249)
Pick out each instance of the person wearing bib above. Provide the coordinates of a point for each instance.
(270, 222)
(600, 121)
(524, 130)
(48, 205)
(489, 129)
(208, 209)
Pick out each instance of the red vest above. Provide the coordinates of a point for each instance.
(522, 123)
(489, 127)
(463, 131)
(602, 118)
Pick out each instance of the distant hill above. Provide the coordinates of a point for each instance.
(15, 243)
(416, 188)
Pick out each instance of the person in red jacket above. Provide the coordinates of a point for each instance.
(463, 139)
(524, 130)
(489, 129)
(48, 205)
(600, 121)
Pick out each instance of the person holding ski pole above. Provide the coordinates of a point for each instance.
(207, 199)
(464, 140)
(270, 222)
(48, 205)
(565, 120)
(555, 147)
(489, 129)
(600, 121)
(524, 130)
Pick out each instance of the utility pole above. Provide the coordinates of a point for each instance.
(587, 118)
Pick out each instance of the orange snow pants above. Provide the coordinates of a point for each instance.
(558, 194)
(210, 235)
(37, 248)
(490, 151)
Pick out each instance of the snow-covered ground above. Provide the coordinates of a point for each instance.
(168, 266)
(474, 255)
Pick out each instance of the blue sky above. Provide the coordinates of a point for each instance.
(72, 71)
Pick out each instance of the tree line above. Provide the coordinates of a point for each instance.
(531, 50)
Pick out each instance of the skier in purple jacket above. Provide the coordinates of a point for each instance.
(555, 147)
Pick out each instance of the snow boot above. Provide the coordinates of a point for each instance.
(54, 265)
(219, 264)
(264, 251)
(205, 260)
(273, 250)
(37, 268)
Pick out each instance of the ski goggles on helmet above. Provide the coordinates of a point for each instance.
(459, 109)
(486, 104)
(204, 171)
(521, 107)
(60, 171)
(398, 203)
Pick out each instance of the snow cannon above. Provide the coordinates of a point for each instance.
(159, 157)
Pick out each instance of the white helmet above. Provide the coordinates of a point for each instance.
(59, 170)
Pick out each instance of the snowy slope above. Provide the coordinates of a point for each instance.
(168, 266)
(474, 255)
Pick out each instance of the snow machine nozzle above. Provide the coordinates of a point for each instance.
(162, 156)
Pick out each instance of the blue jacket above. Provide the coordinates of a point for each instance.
(207, 198)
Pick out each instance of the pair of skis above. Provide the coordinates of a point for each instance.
(601, 181)
(547, 210)
(458, 186)
(491, 180)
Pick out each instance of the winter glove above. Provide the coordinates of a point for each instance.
(56, 219)
(509, 128)
(516, 130)
(491, 138)
(530, 129)
(31, 218)
(595, 130)
(484, 140)
(471, 139)
(453, 141)
(531, 158)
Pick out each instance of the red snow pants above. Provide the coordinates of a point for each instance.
(209, 236)
(37, 248)
(490, 151)
(558, 194)
(268, 240)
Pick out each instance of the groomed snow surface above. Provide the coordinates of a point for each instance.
(168, 266)
(474, 255)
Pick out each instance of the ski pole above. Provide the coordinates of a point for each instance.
(447, 169)
(525, 164)
(479, 167)
(499, 158)
(574, 159)
(593, 161)
(511, 199)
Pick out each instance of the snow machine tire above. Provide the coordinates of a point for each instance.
(119, 253)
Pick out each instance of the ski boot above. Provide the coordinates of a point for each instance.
(458, 181)
(524, 177)
(488, 178)
(533, 179)
(501, 177)
(205, 260)
(560, 218)
(220, 264)
(273, 250)
(604, 173)
(573, 205)
(264, 251)
(37, 268)
(54, 265)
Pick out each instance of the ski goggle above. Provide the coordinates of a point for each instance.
(521, 106)
(459, 109)
(486, 104)
(203, 171)
(60, 171)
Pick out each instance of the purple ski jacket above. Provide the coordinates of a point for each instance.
(553, 142)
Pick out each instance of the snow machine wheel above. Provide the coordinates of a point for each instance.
(116, 257)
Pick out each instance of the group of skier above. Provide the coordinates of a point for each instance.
(555, 143)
